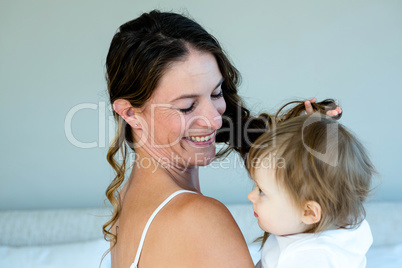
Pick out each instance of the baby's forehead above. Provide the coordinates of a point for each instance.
(269, 170)
(262, 172)
(270, 162)
(268, 179)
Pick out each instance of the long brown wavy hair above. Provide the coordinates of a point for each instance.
(139, 54)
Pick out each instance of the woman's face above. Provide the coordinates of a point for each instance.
(185, 111)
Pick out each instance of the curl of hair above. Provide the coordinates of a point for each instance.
(252, 127)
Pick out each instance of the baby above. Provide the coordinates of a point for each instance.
(311, 178)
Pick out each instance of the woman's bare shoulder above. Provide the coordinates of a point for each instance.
(207, 234)
(203, 208)
(212, 218)
(196, 209)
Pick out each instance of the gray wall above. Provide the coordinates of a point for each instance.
(52, 56)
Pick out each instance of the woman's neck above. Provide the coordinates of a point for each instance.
(151, 166)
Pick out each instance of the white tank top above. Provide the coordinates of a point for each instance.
(144, 232)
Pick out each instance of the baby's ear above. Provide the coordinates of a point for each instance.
(311, 212)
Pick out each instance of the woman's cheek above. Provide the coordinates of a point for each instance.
(169, 124)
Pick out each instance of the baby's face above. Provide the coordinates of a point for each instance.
(273, 206)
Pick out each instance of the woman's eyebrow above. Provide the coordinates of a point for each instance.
(185, 96)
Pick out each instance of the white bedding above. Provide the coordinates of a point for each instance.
(88, 254)
(72, 238)
(77, 255)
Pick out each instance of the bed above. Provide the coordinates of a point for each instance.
(73, 237)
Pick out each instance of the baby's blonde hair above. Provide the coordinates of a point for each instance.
(320, 160)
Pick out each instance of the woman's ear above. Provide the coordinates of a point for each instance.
(311, 212)
(127, 112)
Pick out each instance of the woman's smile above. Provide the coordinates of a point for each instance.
(203, 140)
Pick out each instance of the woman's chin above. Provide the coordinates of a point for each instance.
(205, 162)
(202, 158)
(205, 158)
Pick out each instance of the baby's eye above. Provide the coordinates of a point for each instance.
(260, 191)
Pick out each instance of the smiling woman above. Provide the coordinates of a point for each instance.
(171, 86)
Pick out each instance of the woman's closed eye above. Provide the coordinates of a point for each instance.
(189, 109)
(218, 95)
(193, 105)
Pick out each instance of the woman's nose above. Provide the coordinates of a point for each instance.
(211, 117)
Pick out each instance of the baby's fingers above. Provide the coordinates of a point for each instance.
(334, 112)
(309, 108)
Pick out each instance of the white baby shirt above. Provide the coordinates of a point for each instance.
(340, 248)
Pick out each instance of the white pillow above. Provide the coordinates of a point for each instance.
(85, 254)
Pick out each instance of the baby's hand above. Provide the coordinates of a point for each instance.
(336, 112)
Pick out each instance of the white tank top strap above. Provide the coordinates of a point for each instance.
(144, 232)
